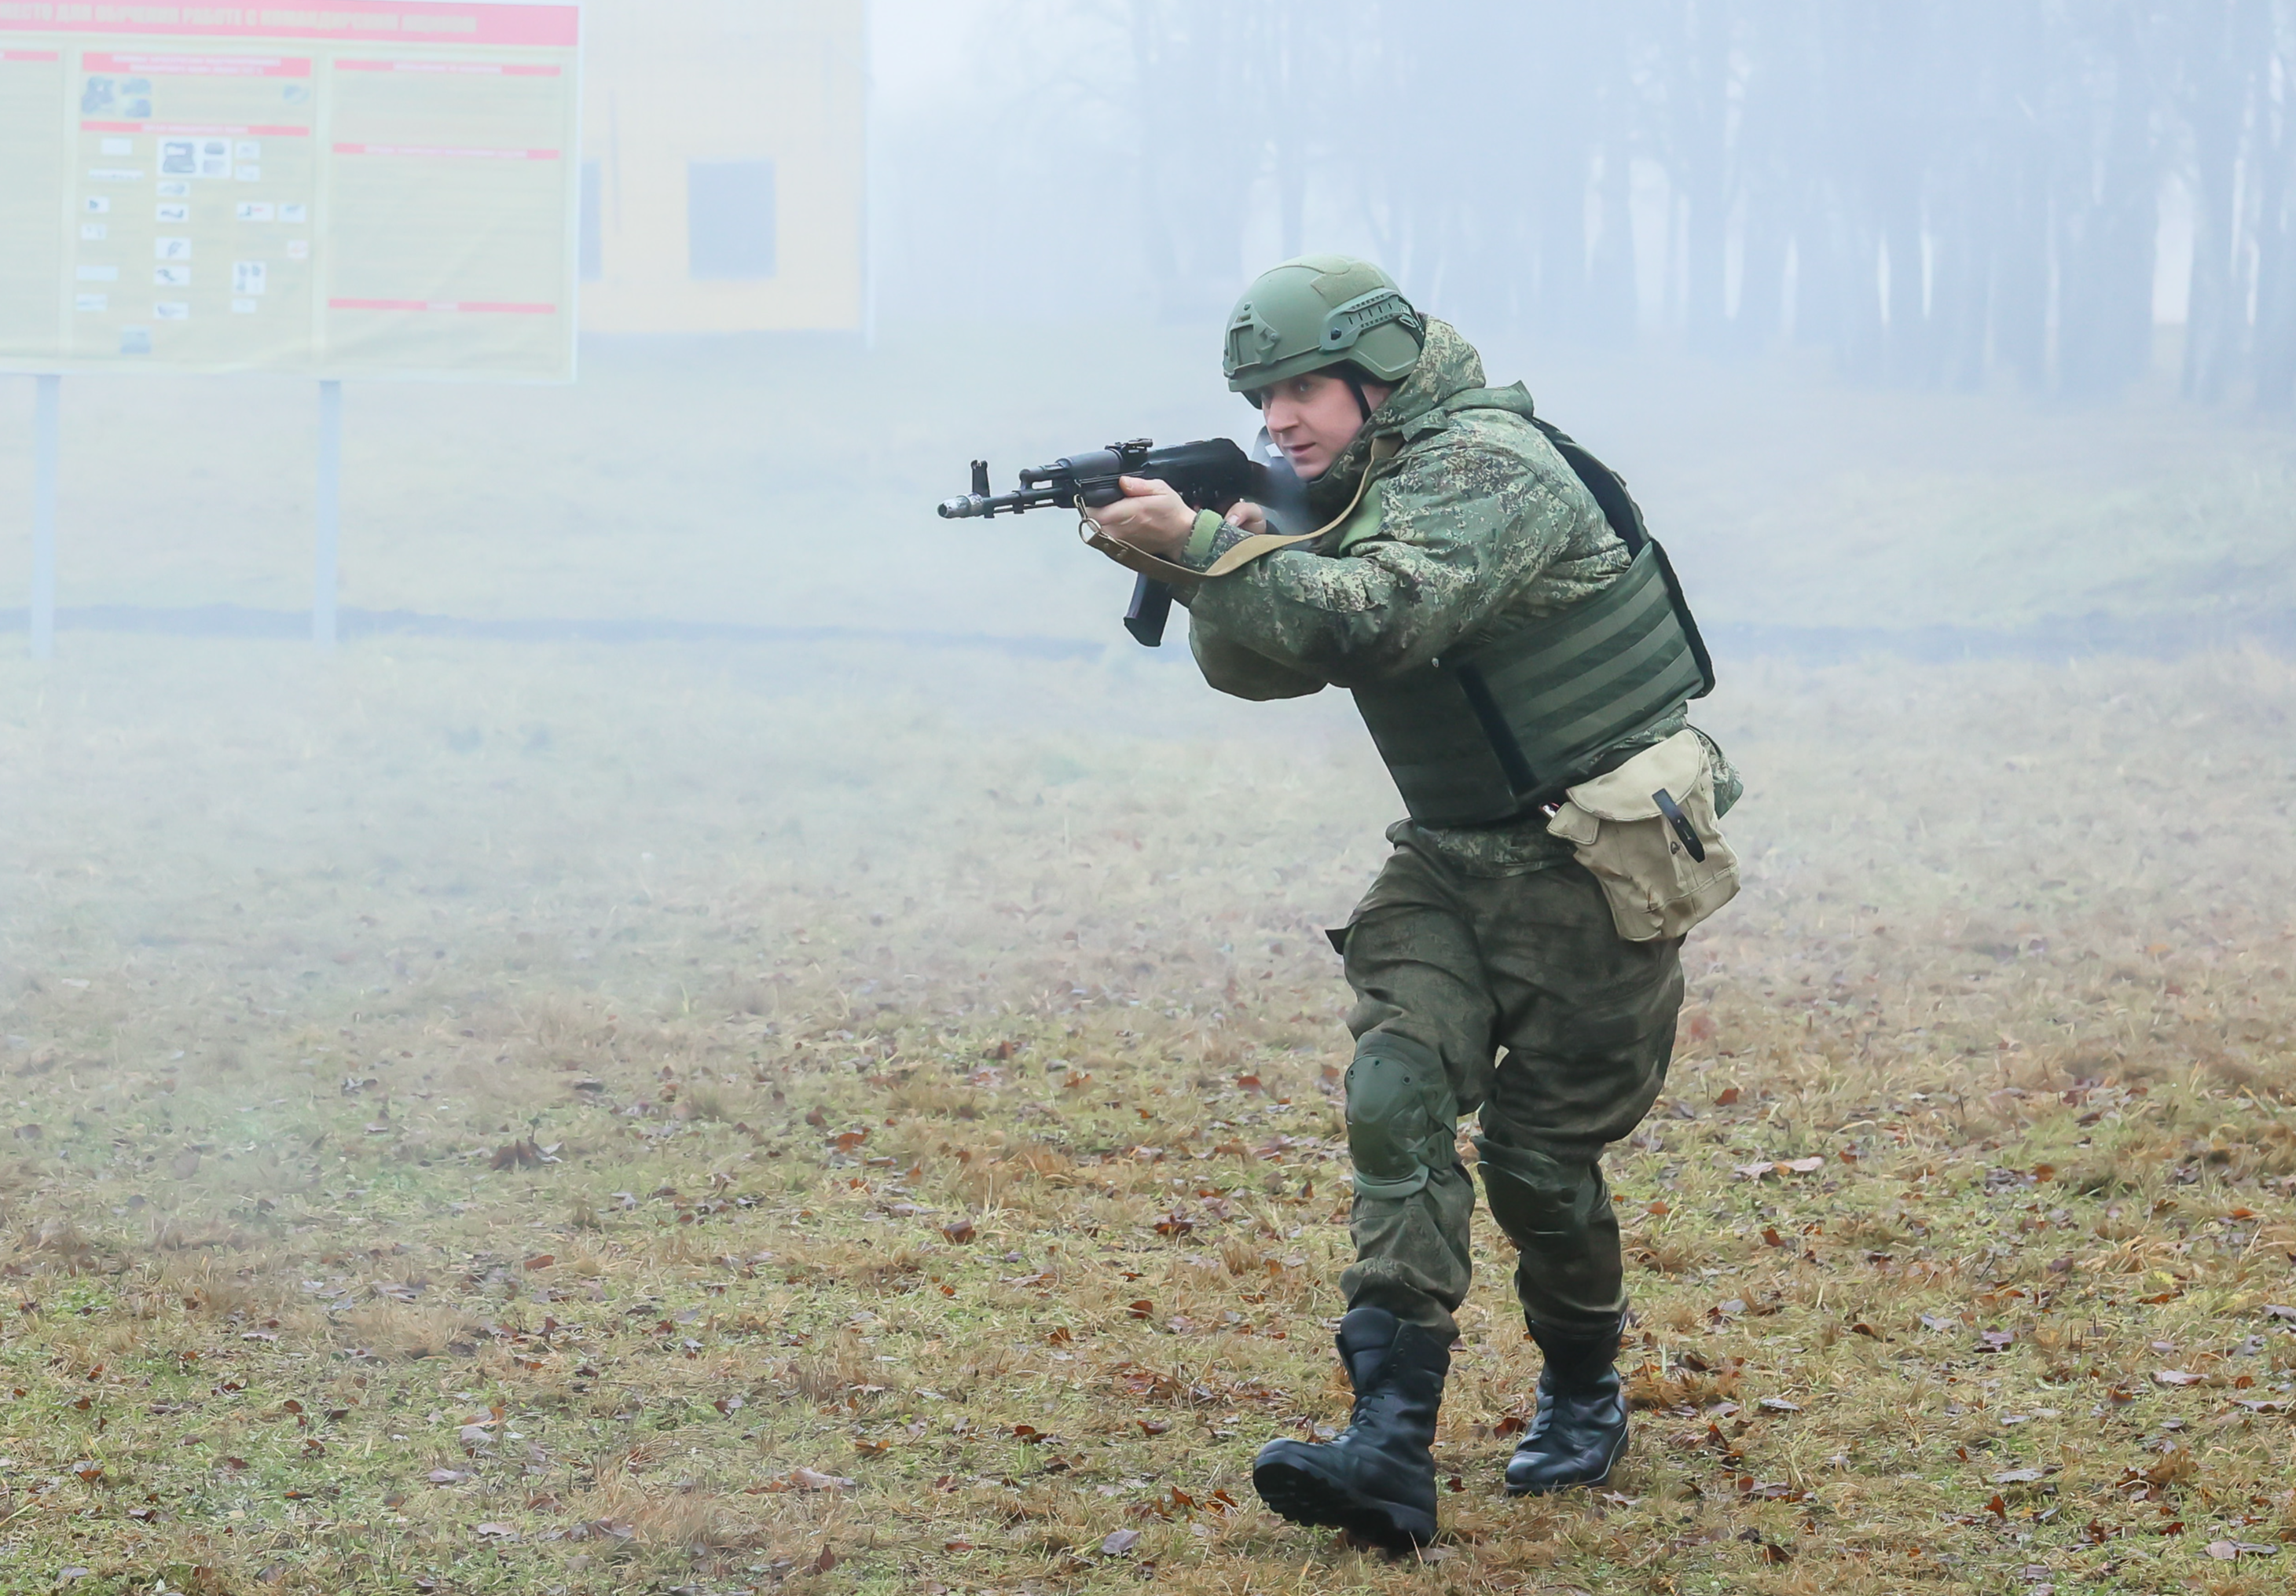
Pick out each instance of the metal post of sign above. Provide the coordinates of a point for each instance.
(330, 514)
(869, 228)
(47, 434)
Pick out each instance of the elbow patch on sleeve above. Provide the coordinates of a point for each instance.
(1339, 587)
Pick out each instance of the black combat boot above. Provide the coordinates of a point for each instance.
(1376, 1481)
(1580, 1432)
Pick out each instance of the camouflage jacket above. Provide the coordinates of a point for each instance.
(1472, 525)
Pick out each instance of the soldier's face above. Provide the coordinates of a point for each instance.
(1312, 417)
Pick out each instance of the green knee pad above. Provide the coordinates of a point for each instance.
(1402, 1119)
(1532, 1194)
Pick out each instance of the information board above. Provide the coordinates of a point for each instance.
(349, 189)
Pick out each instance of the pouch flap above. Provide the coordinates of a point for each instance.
(1677, 765)
(1574, 825)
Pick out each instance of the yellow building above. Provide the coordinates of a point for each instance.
(724, 181)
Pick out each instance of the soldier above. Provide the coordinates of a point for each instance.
(1521, 655)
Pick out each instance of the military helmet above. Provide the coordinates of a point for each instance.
(1318, 311)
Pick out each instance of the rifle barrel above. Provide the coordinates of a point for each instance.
(973, 506)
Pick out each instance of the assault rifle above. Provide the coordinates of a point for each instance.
(1210, 475)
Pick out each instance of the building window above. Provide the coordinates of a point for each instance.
(593, 221)
(729, 219)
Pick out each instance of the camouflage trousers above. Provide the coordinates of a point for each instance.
(1551, 1028)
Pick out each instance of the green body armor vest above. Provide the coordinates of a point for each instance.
(1488, 734)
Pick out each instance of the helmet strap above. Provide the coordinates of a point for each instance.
(1356, 386)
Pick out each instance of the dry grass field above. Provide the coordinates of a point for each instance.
(537, 1121)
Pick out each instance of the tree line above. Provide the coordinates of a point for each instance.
(1936, 191)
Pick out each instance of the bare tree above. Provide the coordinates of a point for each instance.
(1942, 193)
(2273, 138)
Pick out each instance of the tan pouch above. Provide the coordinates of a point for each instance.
(1622, 833)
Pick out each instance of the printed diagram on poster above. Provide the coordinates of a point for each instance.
(379, 188)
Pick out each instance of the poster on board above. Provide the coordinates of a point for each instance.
(357, 189)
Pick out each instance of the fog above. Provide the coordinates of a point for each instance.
(1959, 337)
(686, 809)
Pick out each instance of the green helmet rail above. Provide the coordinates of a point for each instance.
(1317, 312)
